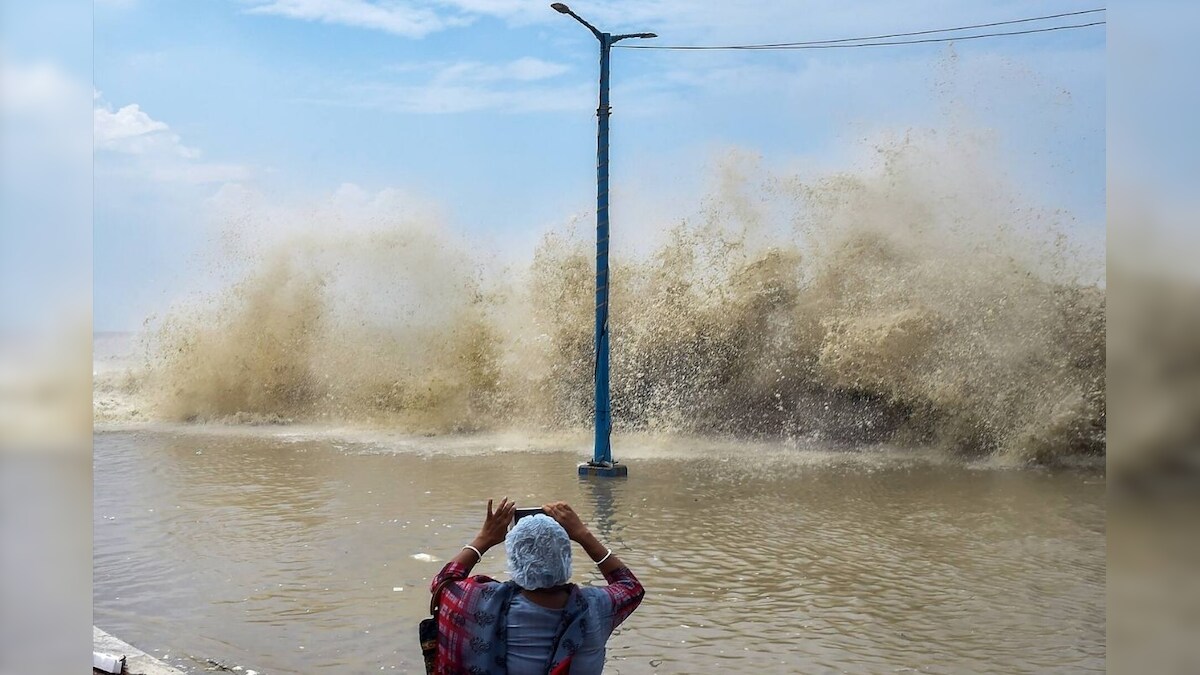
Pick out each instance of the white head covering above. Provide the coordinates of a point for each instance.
(539, 553)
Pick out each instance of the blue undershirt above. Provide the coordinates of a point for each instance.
(531, 631)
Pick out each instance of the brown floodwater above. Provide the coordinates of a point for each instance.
(285, 550)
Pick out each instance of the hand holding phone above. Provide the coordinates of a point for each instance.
(528, 511)
(566, 516)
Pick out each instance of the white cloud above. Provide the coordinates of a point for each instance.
(404, 17)
(151, 149)
(677, 21)
(441, 97)
(525, 69)
(514, 11)
(463, 86)
(399, 18)
(132, 131)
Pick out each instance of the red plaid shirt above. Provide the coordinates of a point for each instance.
(461, 596)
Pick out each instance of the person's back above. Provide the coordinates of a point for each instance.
(536, 623)
(532, 629)
(531, 632)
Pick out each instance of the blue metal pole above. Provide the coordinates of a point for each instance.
(602, 463)
(603, 445)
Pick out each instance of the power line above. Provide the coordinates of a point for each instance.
(949, 39)
(877, 44)
(937, 30)
(858, 42)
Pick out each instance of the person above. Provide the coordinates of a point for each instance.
(538, 622)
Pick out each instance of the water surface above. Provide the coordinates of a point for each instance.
(283, 552)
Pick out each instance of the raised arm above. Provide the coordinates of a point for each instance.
(495, 526)
(625, 591)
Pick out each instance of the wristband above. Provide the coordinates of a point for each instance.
(468, 546)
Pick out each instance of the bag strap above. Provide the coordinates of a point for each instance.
(437, 594)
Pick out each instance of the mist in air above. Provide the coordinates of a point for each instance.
(919, 300)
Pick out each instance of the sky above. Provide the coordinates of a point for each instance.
(483, 111)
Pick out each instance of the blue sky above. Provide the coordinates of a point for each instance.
(485, 109)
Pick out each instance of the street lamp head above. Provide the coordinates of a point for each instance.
(560, 8)
(626, 36)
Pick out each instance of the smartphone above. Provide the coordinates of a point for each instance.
(521, 513)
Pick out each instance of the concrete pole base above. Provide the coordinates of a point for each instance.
(603, 470)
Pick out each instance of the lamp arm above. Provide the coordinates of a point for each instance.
(595, 31)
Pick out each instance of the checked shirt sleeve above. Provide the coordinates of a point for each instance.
(452, 570)
(454, 636)
(625, 591)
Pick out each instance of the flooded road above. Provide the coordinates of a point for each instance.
(283, 552)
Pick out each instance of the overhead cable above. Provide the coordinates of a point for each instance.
(844, 43)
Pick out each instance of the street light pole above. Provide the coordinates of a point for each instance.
(602, 463)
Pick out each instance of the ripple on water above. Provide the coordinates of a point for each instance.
(278, 554)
